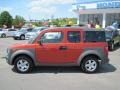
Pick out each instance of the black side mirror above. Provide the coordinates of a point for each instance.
(41, 41)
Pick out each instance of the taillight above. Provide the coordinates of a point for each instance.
(106, 50)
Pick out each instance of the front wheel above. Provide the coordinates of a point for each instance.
(90, 64)
(15, 38)
(23, 64)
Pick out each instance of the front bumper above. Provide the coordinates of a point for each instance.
(16, 36)
(8, 56)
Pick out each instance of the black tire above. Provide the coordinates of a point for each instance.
(22, 37)
(15, 38)
(3, 35)
(85, 66)
(119, 43)
(25, 62)
(112, 46)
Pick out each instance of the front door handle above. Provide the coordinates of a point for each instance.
(63, 48)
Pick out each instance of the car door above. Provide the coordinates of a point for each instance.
(74, 46)
(11, 32)
(52, 50)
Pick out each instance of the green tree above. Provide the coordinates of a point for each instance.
(63, 21)
(5, 19)
(18, 21)
(38, 24)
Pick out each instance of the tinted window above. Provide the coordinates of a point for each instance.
(11, 30)
(95, 36)
(30, 29)
(52, 37)
(73, 36)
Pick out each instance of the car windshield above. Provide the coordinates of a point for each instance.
(31, 39)
(35, 30)
(108, 34)
(22, 30)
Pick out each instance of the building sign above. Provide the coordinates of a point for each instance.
(104, 5)
(98, 5)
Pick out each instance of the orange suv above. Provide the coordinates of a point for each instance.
(64, 46)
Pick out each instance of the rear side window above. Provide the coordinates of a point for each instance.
(94, 36)
(73, 36)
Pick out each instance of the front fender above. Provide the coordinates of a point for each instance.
(29, 52)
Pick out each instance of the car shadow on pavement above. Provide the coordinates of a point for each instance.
(107, 68)
(60, 69)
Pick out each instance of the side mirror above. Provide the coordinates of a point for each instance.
(41, 41)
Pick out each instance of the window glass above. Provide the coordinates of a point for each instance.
(52, 37)
(95, 36)
(11, 30)
(73, 36)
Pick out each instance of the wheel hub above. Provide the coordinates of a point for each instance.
(90, 65)
(22, 65)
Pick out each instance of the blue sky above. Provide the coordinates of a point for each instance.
(40, 9)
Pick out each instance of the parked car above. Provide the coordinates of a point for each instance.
(34, 32)
(10, 32)
(7, 32)
(20, 34)
(61, 46)
(112, 38)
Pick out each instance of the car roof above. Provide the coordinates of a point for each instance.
(76, 28)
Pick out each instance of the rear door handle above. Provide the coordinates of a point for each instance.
(63, 48)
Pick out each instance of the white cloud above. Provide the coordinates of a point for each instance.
(6, 9)
(46, 6)
(49, 2)
(51, 10)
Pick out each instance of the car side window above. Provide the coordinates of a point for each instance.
(73, 36)
(52, 37)
(11, 30)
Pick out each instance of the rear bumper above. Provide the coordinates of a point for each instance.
(105, 60)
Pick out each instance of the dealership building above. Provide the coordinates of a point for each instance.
(103, 11)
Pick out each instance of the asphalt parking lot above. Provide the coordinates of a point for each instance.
(59, 78)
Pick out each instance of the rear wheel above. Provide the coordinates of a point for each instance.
(23, 64)
(3, 35)
(90, 64)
